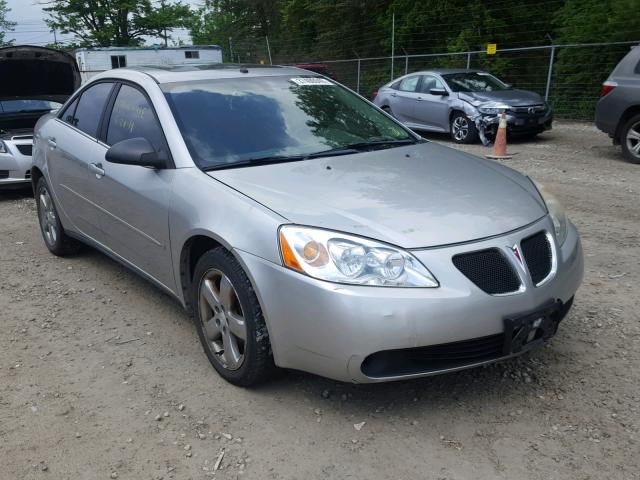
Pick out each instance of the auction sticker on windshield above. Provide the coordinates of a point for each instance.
(310, 81)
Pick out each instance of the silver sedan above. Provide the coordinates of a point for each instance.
(464, 103)
(303, 228)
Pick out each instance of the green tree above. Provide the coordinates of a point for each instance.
(239, 25)
(107, 23)
(580, 71)
(5, 25)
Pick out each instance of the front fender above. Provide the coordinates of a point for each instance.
(204, 206)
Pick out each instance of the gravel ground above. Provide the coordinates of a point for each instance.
(102, 375)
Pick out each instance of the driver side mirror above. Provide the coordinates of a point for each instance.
(136, 151)
(439, 91)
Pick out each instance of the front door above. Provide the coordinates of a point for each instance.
(132, 201)
(432, 111)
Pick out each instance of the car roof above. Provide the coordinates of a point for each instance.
(204, 71)
(444, 71)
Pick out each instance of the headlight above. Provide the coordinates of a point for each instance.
(342, 258)
(556, 211)
(493, 108)
(3, 147)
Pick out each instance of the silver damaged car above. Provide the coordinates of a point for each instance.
(464, 103)
(302, 227)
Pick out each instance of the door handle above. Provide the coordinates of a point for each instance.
(419, 99)
(97, 169)
(394, 94)
(52, 142)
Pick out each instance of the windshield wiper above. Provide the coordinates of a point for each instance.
(333, 152)
(378, 144)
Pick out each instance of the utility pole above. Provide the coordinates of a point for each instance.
(166, 39)
(393, 40)
(268, 50)
(55, 37)
(230, 50)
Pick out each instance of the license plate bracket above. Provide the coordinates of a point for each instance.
(529, 331)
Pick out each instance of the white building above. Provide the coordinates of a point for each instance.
(92, 61)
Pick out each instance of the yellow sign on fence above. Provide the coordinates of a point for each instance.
(491, 48)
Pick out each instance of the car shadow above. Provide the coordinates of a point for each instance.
(515, 378)
(10, 192)
(543, 138)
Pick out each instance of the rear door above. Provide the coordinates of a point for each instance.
(405, 99)
(132, 202)
(432, 111)
(71, 146)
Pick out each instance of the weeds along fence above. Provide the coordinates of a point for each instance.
(569, 77)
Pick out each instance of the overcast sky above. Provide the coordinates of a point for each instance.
(31, 29)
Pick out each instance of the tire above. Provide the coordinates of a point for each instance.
(225, 312)
(630, 139)
(53, 234)
(462, 129)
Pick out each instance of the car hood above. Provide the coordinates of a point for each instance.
(416, 196)
(37, 73)
(514, 98)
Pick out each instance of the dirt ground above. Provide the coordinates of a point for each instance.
(102, 375)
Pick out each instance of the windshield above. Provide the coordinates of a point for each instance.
(15, 106)
(473, 82)
(230, 121)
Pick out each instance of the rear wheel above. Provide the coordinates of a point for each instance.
(630, 139)
(55, 238)
(462, 129)
(229, 320)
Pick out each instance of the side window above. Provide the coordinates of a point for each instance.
(396, 85)
(429, 82)
(191, 54)
(133, 117)
(90, 108)
(67, 115)
(409, 84)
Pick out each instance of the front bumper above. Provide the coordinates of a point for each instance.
(330, 329)
(15, 167)
(520, 123)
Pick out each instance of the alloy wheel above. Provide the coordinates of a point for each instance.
(222, 319)
(460, 128)
(48, 219)
(633, 140)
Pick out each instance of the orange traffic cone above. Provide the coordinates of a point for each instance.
(500, 145)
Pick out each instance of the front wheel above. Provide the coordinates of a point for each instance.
(462, 129)
(630, 139)
(229, 320)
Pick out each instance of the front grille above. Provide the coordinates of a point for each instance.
(489, 270)
(4, 174)
(537, 253)
(433, 358)
(25, 149)
(537, 109)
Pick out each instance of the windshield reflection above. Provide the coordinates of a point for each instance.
(235, 120)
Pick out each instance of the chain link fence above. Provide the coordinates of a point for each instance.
(569, 77)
